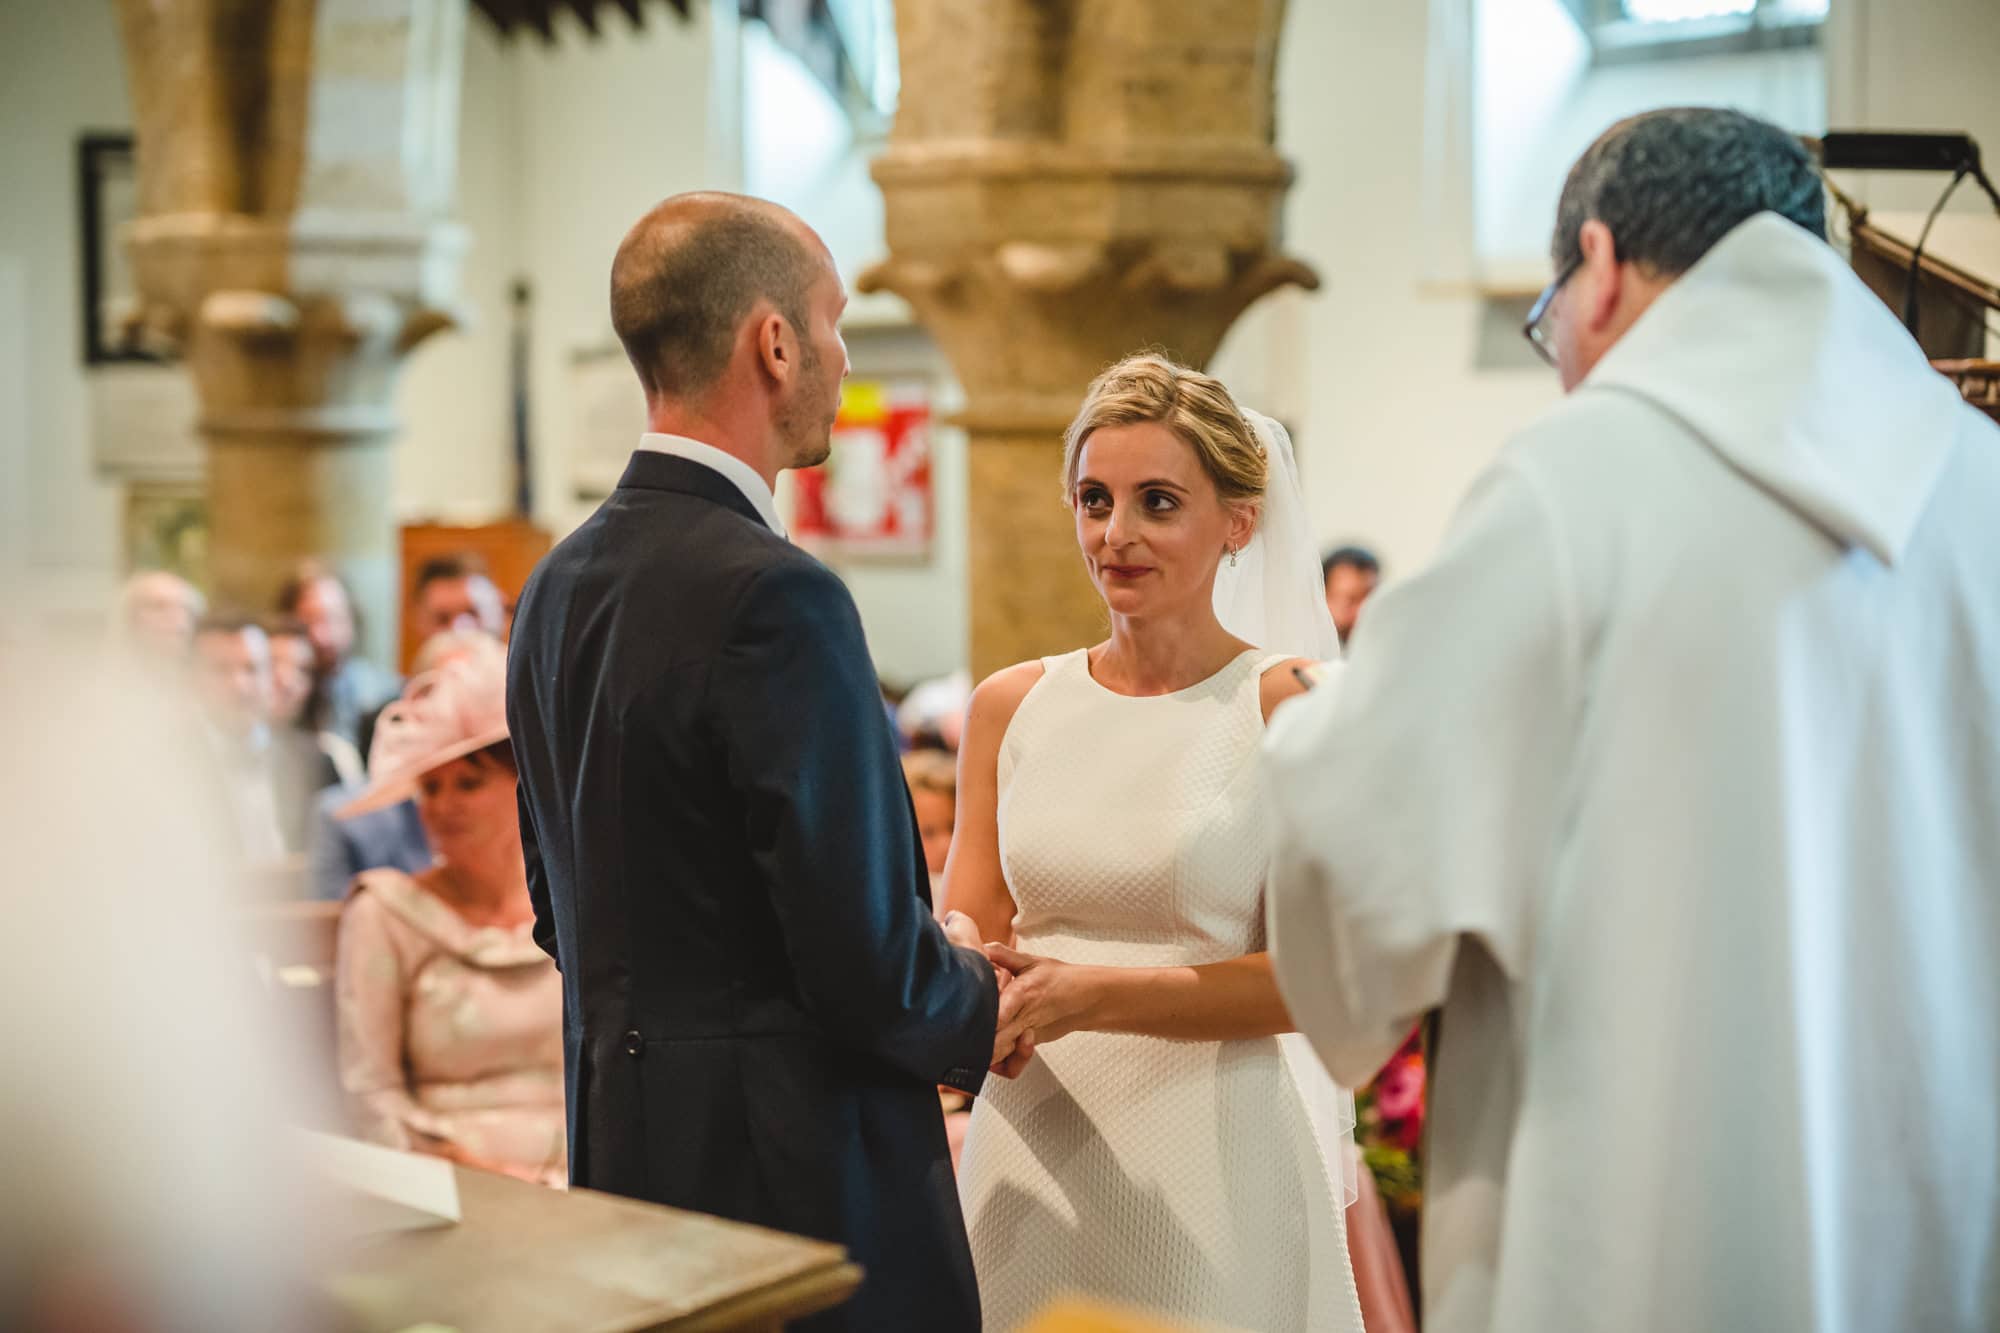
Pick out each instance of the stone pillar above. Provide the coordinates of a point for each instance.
(295, 168)
(1069, 181)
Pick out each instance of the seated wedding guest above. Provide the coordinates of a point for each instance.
(1351, 573)
(933, 779)
(292, 670)
(932, 715)
(349, 687)
(455, 592)
(338, 849)
(932, 775)
(294, 675)
(1674, 782)
(155, 618)
(268, 774)
(450, 1015)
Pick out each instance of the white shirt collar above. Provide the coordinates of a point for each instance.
(739, 473)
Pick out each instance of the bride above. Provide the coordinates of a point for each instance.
(1170, 1144)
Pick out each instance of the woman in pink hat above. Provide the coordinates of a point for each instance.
(450, 1014)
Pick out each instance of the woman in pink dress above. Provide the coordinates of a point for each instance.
(450, 1015)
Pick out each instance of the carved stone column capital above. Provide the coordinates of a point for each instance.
(295, 163)
(1070, 181)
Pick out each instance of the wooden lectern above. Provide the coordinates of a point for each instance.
(525, 1259)
(1958, 286)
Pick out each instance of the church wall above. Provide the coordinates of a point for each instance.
(913, 609)
(607, 127)
(1919, 65)
(453, 461)
(1540, 101)
(61, 74)
(1376, 371)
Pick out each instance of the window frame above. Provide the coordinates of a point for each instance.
(1618, 39)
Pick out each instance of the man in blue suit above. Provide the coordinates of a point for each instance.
(758, 1005)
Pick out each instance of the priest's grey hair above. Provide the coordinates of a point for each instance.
(1670, 184)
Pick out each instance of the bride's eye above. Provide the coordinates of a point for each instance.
(1159, 502)
(1092, 498)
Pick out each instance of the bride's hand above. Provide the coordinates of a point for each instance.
(961, 930)
(1045, 997)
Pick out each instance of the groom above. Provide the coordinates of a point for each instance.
(721, 851)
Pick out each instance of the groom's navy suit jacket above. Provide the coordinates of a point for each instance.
(724, 863)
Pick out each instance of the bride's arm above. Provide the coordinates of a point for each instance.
(973, 880)
(1225, 1001)
(1282, 682)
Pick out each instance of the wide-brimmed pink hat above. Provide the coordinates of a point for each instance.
(445, 714)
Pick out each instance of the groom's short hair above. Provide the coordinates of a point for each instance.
(688, 274)
(1670, 184)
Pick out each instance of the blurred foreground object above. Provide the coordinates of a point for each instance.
(147, 1183)
(1090, 1317)
(155, 618)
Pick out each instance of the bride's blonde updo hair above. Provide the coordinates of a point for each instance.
(1148, 387)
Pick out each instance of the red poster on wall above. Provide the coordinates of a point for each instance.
(873, 495)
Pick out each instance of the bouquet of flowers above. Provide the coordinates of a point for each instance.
(1389, 1124)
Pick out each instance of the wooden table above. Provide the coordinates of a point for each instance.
(525, 1259)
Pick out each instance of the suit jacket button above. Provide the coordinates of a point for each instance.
(635, 1045)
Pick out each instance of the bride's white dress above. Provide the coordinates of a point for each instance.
(1201, 1179)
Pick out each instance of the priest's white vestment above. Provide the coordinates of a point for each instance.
(1676, 782)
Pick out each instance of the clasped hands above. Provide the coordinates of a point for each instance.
(1041, 999)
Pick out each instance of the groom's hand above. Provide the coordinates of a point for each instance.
(1017, 1057)
(1011, 1050)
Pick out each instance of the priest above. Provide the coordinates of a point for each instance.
(1675, 784)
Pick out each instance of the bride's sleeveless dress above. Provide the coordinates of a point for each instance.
(1201, 1179)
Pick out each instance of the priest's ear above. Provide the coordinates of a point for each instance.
(1598, 291)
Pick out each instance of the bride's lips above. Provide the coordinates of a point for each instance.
(1125, 571)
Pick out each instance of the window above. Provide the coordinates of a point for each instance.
(1527, 86)
(1627, 30)
(1680, 11)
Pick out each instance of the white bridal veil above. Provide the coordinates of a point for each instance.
(1275, 593)
(1274, 596)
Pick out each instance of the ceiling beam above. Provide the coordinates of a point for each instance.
(507, 15)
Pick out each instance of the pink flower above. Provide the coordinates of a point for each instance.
(1399, 1091)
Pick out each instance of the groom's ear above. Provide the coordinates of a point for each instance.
(777, 346)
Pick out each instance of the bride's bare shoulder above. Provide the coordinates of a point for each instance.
(1000, 694)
